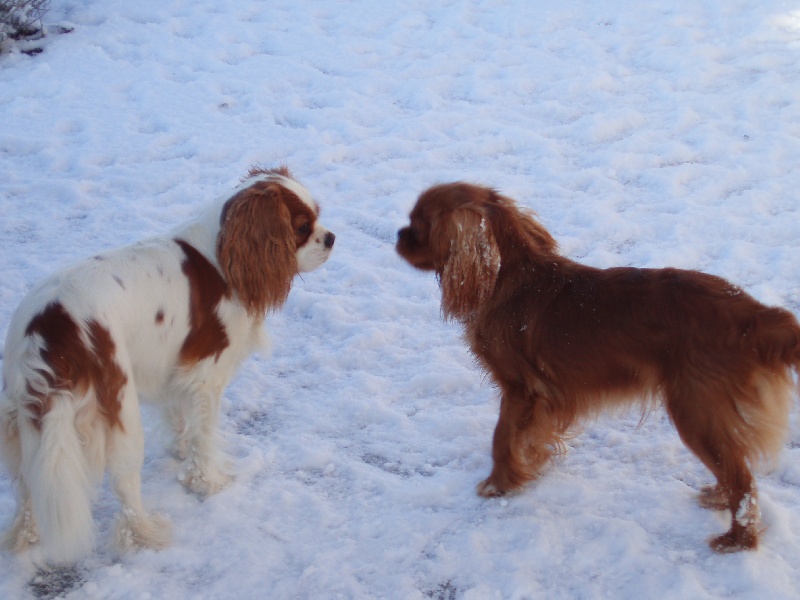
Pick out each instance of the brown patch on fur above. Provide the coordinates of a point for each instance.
(207, 336)
(563, 341)
(160, 316)
(262, 227)
(76, 366)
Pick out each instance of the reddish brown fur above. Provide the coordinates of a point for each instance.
(282, 170)
(207, 335)
(563, 341)
(258, 241)
(76, 366)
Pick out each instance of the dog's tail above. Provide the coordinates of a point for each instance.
(785, 332)
(58, 478)
(791, 345)
(763, 402)
(51, 458)
(775, 336)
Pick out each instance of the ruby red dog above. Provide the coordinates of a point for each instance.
(563, 341)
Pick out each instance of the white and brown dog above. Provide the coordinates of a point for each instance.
(169, 318)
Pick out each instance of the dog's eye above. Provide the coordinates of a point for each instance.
(304, 229)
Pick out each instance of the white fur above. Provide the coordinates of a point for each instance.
(58, 465)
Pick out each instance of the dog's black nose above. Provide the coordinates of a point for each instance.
(329, 239)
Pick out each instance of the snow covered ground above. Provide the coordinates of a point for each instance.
(643, 133)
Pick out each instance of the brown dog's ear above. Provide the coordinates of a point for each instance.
(467, 261)
(256, 247)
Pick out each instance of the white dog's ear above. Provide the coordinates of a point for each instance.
(256, 248)
(467, 261)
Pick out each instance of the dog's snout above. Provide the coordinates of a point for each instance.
(329, 239)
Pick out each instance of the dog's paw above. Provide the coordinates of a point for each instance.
(22, 534)
(203, 482)
(180, 450)
(489, 489)
(735, 541)
(134, 532)
(712, 497)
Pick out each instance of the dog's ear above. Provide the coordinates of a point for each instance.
(467, 261)
(256, 247)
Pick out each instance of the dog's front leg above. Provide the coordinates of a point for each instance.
(518, 452)
(195, 416)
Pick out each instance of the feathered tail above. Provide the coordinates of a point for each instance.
(50, 460)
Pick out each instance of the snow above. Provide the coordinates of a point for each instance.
(748, 511)
(649, 134)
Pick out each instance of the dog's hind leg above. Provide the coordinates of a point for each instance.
(22, 532)
(135, 528)
(745, 513)
(705, 423)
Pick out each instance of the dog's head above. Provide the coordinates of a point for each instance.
(269, 232)
(465, 233)
(449, 233)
